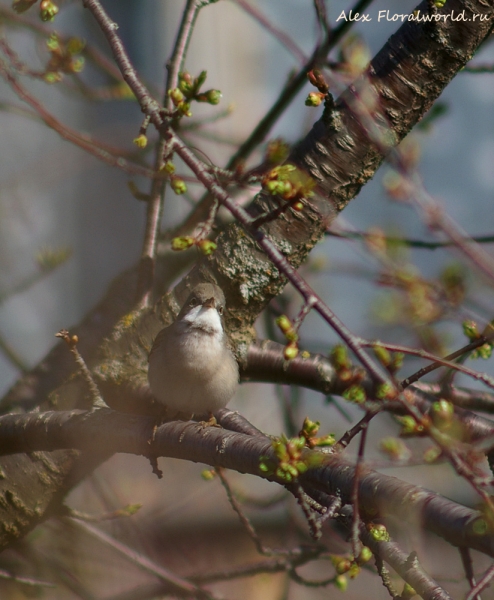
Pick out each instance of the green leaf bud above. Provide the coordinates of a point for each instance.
(432, 454)
(470, 330)
(200, 79)
(176, 96)
(207, 247)
(343, 566)
(52, 77)
(75, 45)
(48, 10)
(314, 99)
(383, 355)
(442, 412)
(208, 474)
(291, 351)
(77, 64)
(310, 428)
(168, 167)
(140, 141)
(355, 393)
(178, 185)
(341, 583)
(408, 592)
(52, 43)
(211, 97)
(364, 556)
(184, 108)
(182, 243)
(379, 533)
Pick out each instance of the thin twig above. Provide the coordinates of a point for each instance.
(304, 311)
(478, 69)
(442, 362)
(71, 342)
(15, 359)
(354, 537)
(292, 88)
(483, 583)
(466, 560)
(157, 194)
(175, 64)
(108, 154)
(322, 16)
(428, 245)
(148, 104)
(25, 580)
(141, 561)
(348, 436)
(249, 528)
(312, 517)
(277, 33)
(385, 578)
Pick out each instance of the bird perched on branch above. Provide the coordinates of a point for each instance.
(192, 369)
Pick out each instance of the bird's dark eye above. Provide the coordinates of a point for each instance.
(220, 310)
(193, 302)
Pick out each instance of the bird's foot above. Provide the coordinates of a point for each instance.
(211, 422)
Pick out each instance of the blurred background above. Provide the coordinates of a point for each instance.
(56, 198)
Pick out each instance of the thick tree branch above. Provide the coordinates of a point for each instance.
(105, 431)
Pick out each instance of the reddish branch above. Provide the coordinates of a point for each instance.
(108, 154)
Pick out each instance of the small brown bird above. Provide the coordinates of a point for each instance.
(191, 367)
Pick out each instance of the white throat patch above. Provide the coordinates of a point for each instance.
(205, 317)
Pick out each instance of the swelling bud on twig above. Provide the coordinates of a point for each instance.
(290, 462)
(141, 141)
(394, 448)
(318, 81)
(168, 167)
(442, 414)
(314, 99)
(186, 83)
(178, 185)
(341, 583)
(408, 592)
(287, 328)
(207, 247)
(355, 393)
(52, 77)
(182, 243)
(379, 532)
(364, 556)
(176, 96)
(310, 430)
(211, 97)
(409, 426)
(47, 10)
(208, 474)
(290, 351)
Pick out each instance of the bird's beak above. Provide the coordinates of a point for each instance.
(210, 303)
